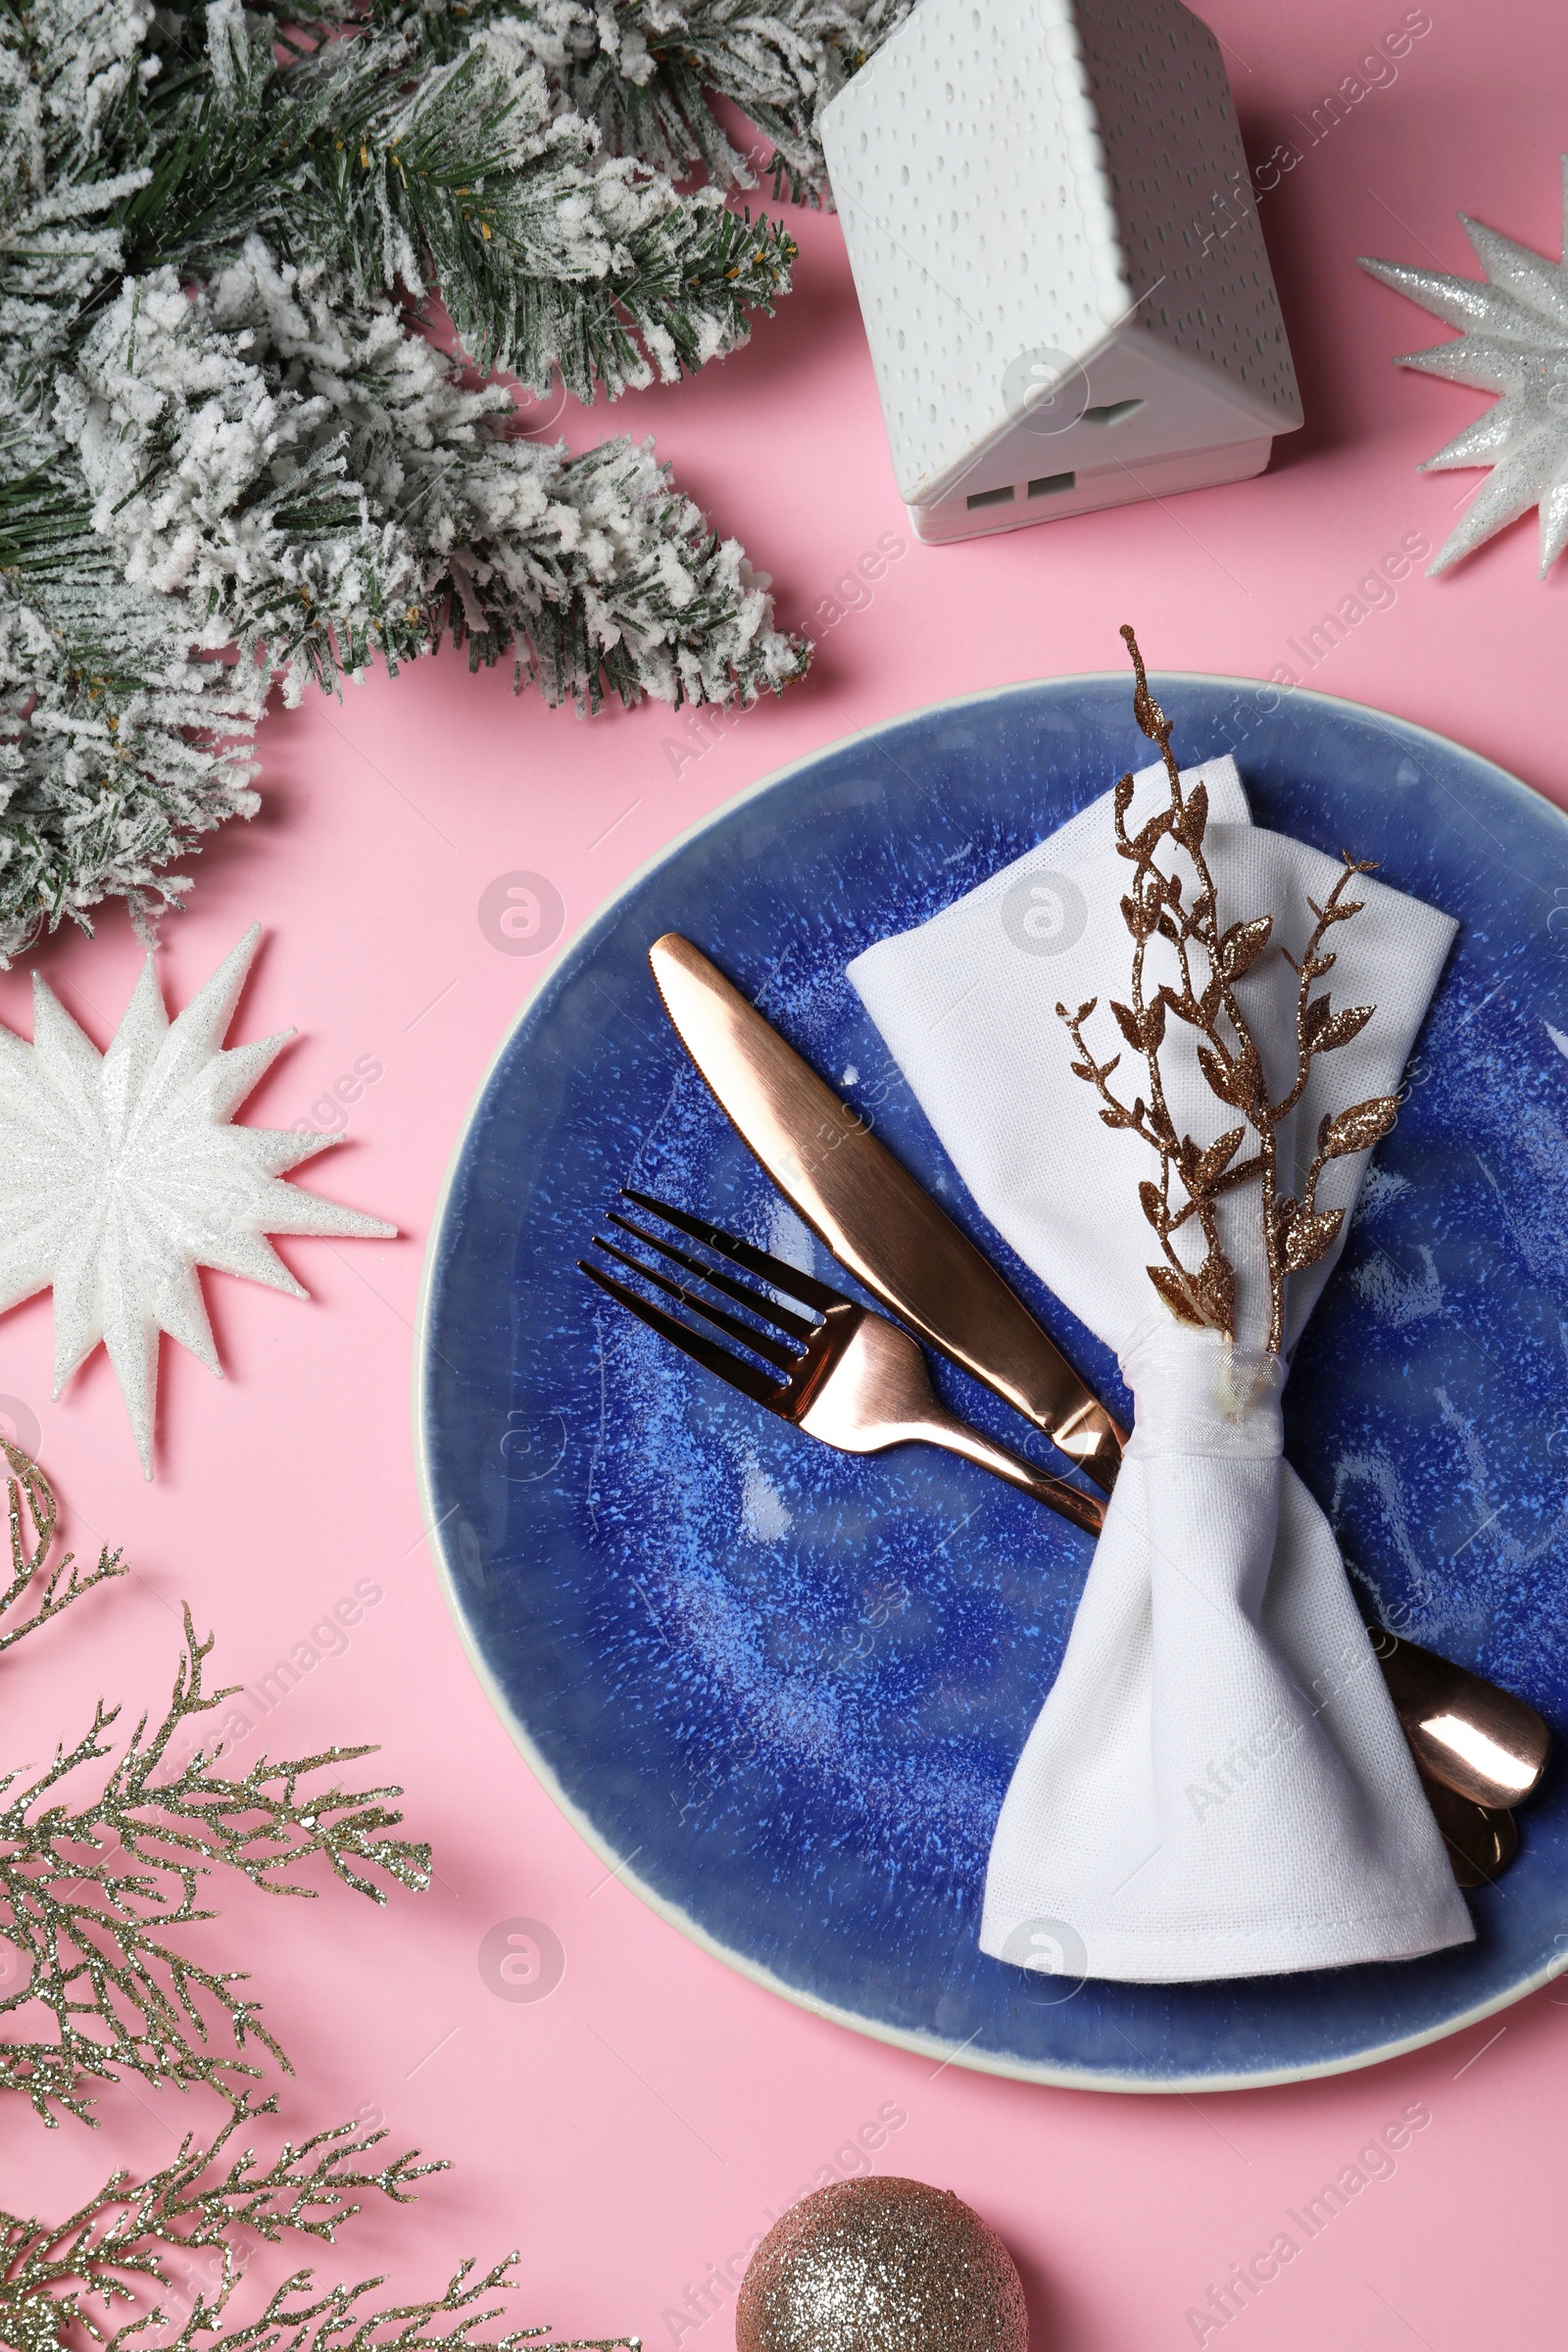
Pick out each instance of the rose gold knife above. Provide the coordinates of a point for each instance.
(1483, 1749)
(872, 1214)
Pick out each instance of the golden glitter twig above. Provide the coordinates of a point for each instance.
(97, 1866)
(1212, 960)
(31, 1512)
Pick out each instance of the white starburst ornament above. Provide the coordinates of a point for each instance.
(1515, 343)
(123, 1172)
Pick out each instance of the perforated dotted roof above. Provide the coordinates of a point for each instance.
(1182, 194)
(1012, 176)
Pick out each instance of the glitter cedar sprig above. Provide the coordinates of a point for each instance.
(175, 2245)
(177, 2234)
(1213, 959)
(91, 1888)
(31, 1511)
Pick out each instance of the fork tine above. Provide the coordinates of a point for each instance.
(742, 1293)
(773, 1351)
(743, 1376)
(788, 1279)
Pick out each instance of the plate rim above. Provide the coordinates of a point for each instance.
(920, 2044)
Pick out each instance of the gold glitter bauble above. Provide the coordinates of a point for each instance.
(868, 2266)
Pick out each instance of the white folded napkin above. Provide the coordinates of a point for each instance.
(1216, 1785)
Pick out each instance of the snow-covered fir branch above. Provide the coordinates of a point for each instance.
(408, 171)
(315, 483)
(227, 450)
(117, 749)
(647, 72)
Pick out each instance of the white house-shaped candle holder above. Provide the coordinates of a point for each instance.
(1051, 223)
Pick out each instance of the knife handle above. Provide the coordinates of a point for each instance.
(1092, 1438)
(867, 1210)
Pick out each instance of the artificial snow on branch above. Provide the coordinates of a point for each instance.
(227, 447)
(647, 72)
(319, 486)
(117, 749)
(399, 169)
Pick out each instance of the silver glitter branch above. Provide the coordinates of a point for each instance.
(138, 2243)
(90, 1890)
(86, 1896)
(31, 1511)
(134, 2231)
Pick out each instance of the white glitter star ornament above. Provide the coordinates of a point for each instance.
(1515, 344)
(123, 1172)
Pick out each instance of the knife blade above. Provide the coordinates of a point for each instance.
(871, 1214)
(886, 1228)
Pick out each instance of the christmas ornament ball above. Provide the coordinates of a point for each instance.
(867, 2265)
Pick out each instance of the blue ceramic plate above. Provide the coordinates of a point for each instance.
(783, 1689)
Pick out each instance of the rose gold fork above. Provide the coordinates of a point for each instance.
(858, 1381)
(848, 1376)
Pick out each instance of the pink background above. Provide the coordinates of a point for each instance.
(635, 2129)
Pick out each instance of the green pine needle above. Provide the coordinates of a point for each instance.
(229, 449)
